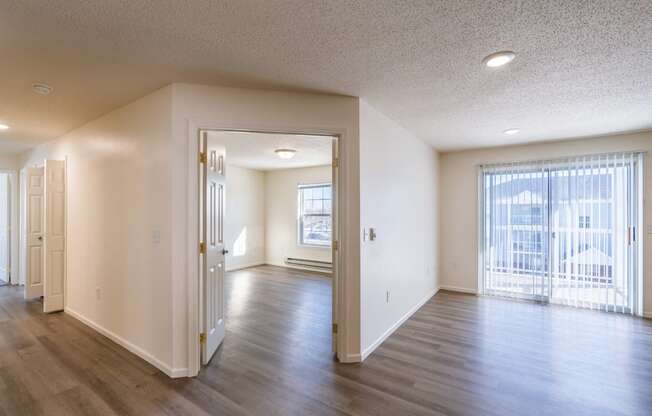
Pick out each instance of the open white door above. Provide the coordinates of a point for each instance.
(35, 232)
(213, 248)
(55, 235)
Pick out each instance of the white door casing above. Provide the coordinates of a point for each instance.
(55, 235)
(35, 232)
(214, 184)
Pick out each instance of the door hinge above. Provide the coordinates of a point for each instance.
(202, 248)
(336, 245)
(202, 338)
(202, 157)
(334, 328)
(336, 162)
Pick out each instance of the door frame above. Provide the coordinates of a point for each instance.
(194, 269)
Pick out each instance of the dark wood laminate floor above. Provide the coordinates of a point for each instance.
(458, 355)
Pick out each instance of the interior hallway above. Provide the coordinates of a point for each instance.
(459, 354)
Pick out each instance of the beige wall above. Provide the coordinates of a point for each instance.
(196, 106)
(244, 230)
(10, 162)
(119, 228)
(281, 214)
(458, 213)
(399, 198)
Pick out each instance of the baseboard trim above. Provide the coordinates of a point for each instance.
(171, 372)
(647, 315)
(307, 269)
(458, 289)
(397, 324)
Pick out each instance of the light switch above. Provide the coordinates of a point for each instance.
(156, 237)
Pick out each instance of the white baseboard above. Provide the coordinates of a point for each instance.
(291, 266)
(246, 266)
(397, 324)
(647, 315)
(171, 372)
(458, 289)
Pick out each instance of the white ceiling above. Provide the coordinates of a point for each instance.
(582, 67)
(256, 150)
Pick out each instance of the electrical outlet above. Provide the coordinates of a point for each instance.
(98, 293)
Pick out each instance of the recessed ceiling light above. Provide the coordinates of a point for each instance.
(41, 88)
(511, 132)
(499, 59)
(4, 126)
(285, 153)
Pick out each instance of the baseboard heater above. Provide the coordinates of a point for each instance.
(313, 264)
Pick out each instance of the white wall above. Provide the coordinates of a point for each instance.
(281, 214)
(399, 198)
(118, 200)
(196, 106)
(244, 230)
(459, 200)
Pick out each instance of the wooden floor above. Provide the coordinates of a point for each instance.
(458, 355)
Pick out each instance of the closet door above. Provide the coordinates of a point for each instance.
(35, 223)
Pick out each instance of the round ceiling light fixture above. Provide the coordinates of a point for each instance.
(499, 59)
(511, 132)
(4, 126)
(285, 153)
(41, 88)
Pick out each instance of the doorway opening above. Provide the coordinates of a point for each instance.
(6, 202)
(564, 231)
(269, 239)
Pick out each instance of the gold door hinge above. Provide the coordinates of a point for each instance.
(336, 162)
(202, 248)
(334, 328)
(202, 157)
(202, 338)
(336, 245)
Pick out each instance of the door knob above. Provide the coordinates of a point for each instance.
(40, 238)
(224, 251)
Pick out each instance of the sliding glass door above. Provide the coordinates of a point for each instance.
(562, 231)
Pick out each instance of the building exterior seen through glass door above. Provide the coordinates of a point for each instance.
(562, 231)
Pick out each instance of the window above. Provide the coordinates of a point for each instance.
(585, 221)
(315, 221)
(526, 215)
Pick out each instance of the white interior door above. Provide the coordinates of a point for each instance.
(214, 182)
(35, 217)
(55, 235)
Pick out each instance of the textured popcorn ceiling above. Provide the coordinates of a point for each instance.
(256, 150)
(582, 67)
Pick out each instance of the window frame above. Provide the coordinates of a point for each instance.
(300, 215)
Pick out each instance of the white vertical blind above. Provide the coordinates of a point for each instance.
(562, 230)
